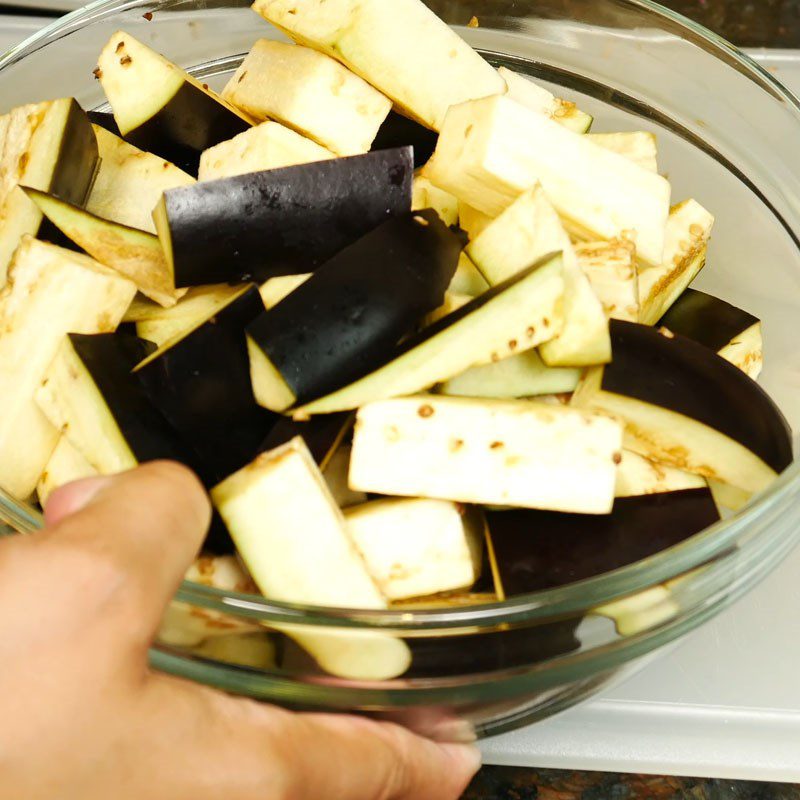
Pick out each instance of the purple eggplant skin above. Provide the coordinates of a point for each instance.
(322, 434)
(105, 119)
(348, 318)
(706, 319)
(683, 376)
(201, 385)
(399, 131)
(283, 221)
(538, 550)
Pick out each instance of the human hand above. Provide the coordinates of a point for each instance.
(85, 718)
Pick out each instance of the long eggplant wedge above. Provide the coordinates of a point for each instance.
(491, 150)
(348, 318)
(294, 541)
(51, 292)
(200, 382)
(279, 222)
(309, 92)
(538, 550)
(685, 406)
(134, 254)
(375, 39)
(612, 273)
(89, 393)
(130, 182)
(730, 332)
(510, 318)
(161, 108)
(50, 146)
(637, 475)
(499, 452)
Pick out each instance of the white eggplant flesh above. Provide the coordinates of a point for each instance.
(293, 538)
(374, 39)
(687, 233)
(336, 474)
(746, 351)
(51, 292)
(611, 270)
(640, 147)
(491, 150)
(67, 464)
(269, 145)
(637, 475)
(467, 279)
(452, 302)
(255, 650)
(501, 452)
(472, 221)
(276, 289)
(425, 195)
(414, 547)
(641, 611)
(526, 231)
(309, 92)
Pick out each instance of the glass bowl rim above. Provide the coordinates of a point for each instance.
(579, 596)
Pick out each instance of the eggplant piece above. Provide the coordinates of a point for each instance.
(349, 316)
(637, 475)
(686, 240)
(130, 182)
(400, 131)
(309, 92)
(161, 108)
(282, 221)
(686, 407)
(67, 464)
(524, 90)
(493, 452)
(425, 195)
(611, 270)
(51, 292)
(538, 550)
(525, 232)
(374, 39)
(637, 146)
(269, 145)
(336, 474)
(253, 650)
(452, 302)
(641, 611)
(50, 146)
(472, 221)
(414, 548)
(512, 317)
(200, 383)
(322, 435)
(728, 331)
(134, 254)
(492, 150)
(89, 393)
(294, 541)
(276, 289)
(523, 375)
(104, 120)
(468, 279)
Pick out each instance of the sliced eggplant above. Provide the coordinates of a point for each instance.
(336, 474)
(728, 331)
(640, 611)
(637, 475)
(400, 131)
(104, 120)
(309, 92)
(425, 195)
(278, 222)
(130, 182)
(538, 550)
(51, 291)
(452, 302)
(494, 452)
(269, 145)
(514, 316)
(134, 254)
(322, 435)
(200, 382)
(686, 407)
(492, 150)
(523, 375)
(349, 316)
(90, 395)
(67, 464)
(472, 221)
(525, 232)
(161, 108)
(374, 39)
(414, 548)
(687, 234)
(468, 279)
(294, 541)
(611, 270)
(530, 94)
(254, 650)
(49, 146)
(276, 289)
(637, 146)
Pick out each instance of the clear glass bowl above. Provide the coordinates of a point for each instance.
(727, 132)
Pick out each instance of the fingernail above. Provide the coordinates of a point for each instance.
(466, 756)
